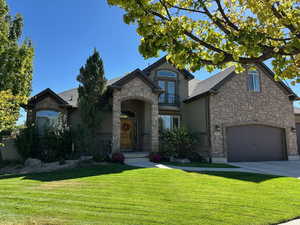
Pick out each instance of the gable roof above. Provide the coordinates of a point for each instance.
(136, 73)
(71, 96)
(43, 94)
(209, 85)
(270, 73)
(213, 83)
(163, 60)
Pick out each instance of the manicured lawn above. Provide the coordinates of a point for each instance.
(116, 194)
(198, 164)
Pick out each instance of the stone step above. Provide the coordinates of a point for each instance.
(135, 155)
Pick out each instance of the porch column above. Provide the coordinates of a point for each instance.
(154, 128)
(116, 123)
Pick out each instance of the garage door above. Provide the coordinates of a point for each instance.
(298, 135)
(255, 143)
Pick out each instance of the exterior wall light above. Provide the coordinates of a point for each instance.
(217, 128)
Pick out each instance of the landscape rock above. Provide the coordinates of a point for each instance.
(33, 163)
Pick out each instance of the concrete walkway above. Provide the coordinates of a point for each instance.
(145, 163)
(293, 222)
(279, 168)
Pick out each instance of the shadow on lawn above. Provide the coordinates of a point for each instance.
(243, 176)
(73, 173)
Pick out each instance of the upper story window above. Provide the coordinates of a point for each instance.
(169, 94)
(166, 73)
(253, 81)
(167, 82)
(46, 119)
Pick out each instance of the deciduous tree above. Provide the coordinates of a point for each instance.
(15, 67)
(215, 33)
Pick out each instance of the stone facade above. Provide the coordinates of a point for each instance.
(48, 103)
(135, 89)
(234, 105)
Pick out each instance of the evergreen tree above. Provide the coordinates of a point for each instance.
(92, 101)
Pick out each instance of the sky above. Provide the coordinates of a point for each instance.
(65, 32)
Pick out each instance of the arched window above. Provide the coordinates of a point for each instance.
(166, 73)
(47, 119)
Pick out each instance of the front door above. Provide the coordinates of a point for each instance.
(127, 134)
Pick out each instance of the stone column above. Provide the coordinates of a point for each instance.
(154, 127)
(116, 123)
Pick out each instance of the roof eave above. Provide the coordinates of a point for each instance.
(196, 97)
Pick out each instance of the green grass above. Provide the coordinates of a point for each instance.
(199, 164)
(123, 195)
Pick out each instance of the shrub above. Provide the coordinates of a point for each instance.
(27, 141)
(195, 157)
(177, 142)
(155, 157)
(118, 157)
(53, 145)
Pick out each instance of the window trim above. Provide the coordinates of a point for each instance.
(250, 76)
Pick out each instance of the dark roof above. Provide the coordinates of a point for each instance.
(45, 93)
(71, 96)
(200, 88)
(213, 83)
(163, 60)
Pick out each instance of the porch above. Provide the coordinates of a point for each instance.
(135, 114)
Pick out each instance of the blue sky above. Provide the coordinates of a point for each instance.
(64, 33)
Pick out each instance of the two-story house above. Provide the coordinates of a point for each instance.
(239, 117)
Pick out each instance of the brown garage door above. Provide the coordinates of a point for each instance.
(255, 143)
(298, 135)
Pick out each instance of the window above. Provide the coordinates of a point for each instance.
(253, 81)
(169, 122)
(169, 95)
(166, 73)
(46, 119)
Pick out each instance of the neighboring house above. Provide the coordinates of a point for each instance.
(297, 116)
(239, 117)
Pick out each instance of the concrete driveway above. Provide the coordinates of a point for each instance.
(280, 168)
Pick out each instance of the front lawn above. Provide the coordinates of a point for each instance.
(116, 194)
(199, 164)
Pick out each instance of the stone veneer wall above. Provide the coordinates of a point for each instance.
(235, 105)
(47, 103)
(138, 90)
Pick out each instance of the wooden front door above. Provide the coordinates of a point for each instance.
(127, 134)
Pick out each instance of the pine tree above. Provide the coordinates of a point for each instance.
(91, 97)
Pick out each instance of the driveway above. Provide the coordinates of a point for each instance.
(280, 168)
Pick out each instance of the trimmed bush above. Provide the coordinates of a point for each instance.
(118, 157)
(195, 157)
(155, 157)
(178, 143)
